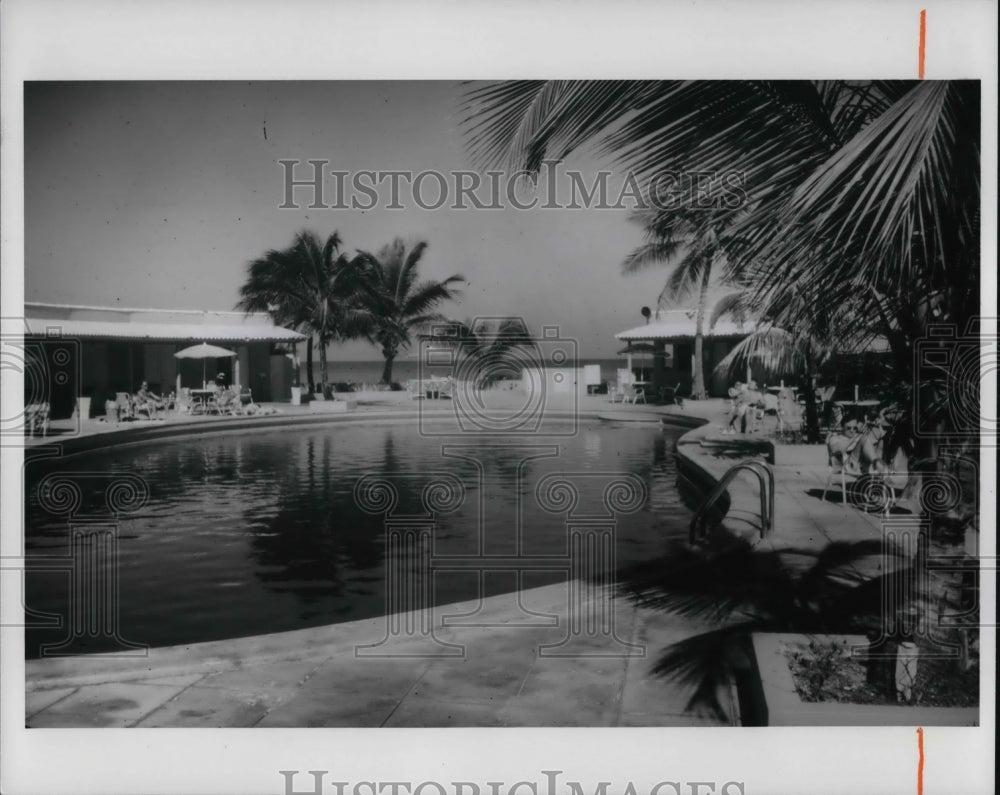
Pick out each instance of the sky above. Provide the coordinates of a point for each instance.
(158, 194)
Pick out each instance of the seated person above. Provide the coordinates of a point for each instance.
(742, 398)
(220, 381)
(145, 398)
(226, 400)
(840, 446)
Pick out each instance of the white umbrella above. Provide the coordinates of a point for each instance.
(203, 352)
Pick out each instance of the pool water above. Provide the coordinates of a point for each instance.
(244, 534)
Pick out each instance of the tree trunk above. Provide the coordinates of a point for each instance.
(697, 374)
(812, 414)
(322, 363)
(309, 364)
(387, 369)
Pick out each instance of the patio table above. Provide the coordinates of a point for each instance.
(200, 398)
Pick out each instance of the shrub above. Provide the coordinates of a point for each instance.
(343, 386)
(395, 386)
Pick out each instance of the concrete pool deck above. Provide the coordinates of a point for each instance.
(315, 677)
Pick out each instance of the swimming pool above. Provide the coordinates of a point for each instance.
(243, 534)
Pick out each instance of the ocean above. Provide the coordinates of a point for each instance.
(370, 372)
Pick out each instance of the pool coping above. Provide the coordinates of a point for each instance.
(142, 433)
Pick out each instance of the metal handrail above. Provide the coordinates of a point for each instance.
(765, 475)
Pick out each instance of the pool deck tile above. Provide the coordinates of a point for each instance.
(115, 704)
(41, 699)
(208, 707)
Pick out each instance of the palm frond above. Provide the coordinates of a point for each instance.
(706, 663)
(657, 252)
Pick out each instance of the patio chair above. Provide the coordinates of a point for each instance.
(857, 453)
(637, 394)
(210, 404)
(142, 408)
(414, 390)
(147, 406)
(185, 402)
(670, 395)
(788, 410)
(226, 401)
(124, 406)
(621, 391)
(36, 417)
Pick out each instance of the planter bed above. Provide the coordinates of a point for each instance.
(774, 701)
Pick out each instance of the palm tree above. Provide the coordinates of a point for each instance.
(487, 350)
(867, 187)
(397, 303)
(311, 286)
(860, 193)
(803, 350)
(690, 245)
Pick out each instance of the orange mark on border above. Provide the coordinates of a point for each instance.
(923, 42)
(920, 761)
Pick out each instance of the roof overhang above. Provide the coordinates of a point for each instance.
(682, 327)
(158, 332)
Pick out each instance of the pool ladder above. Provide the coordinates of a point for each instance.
(765, 476)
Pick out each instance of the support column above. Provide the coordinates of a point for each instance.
(659, 364)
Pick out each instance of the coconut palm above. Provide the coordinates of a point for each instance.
(803, 350)
(488, 350)
(691, 245)
(311, 286)
(397, 303)
(867, 187)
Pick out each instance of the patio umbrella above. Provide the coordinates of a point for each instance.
(637, 349)
(204, 352)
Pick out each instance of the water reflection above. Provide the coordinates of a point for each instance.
(262, 533)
